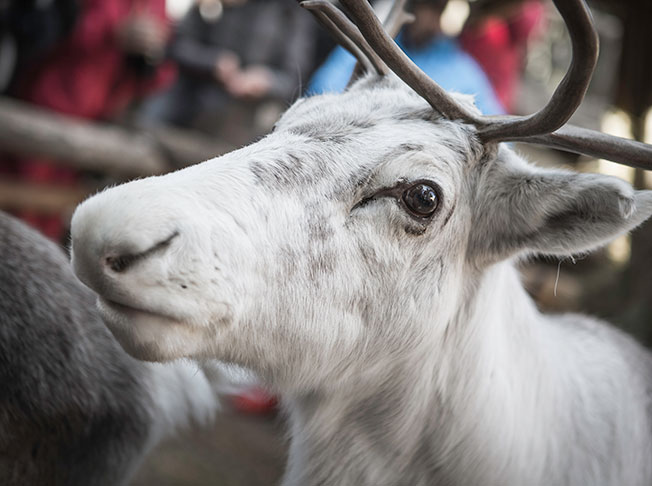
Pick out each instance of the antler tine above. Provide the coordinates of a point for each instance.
(570, 92)
(346, 34)
(397, 18)
(597, 144)
(371, 28)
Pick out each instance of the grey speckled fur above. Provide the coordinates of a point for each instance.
(75, 409)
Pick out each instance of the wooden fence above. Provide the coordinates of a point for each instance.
(110, 150)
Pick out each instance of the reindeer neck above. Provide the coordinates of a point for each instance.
(400, 430)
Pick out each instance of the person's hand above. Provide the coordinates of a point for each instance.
(143, 34)
(226, 67)
(251, 83)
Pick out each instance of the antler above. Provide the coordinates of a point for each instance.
(371, 28)
(537, 128)
(562, 105)
(569, 94)
(396, 19)
(346, 34)
(597, 144)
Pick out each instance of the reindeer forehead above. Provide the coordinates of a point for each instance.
(368, 103)
(335, 142)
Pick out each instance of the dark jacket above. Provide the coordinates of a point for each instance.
(274, 33)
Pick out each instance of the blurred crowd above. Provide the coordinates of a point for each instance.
(227, 67)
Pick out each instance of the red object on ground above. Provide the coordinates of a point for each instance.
(254, 401)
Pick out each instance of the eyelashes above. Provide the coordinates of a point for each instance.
(420, 199)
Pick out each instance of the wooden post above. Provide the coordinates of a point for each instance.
(99, 147)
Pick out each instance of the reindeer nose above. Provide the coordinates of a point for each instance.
(122, 262)
(117, 233)
(101, 262)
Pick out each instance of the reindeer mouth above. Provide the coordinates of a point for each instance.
(146, 334)
(113, 312)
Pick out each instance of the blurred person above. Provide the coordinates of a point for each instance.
(110, 57)
(19, 20)
(498, 40)
(439, 56)
(249, 51)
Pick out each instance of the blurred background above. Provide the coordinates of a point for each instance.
(95, 92)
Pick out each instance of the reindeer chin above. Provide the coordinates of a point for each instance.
(147, 335)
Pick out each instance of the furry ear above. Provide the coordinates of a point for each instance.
(523, 209)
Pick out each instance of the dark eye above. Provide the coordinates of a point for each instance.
(421, 199)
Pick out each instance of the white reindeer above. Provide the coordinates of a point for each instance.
(75, 409)
(360, 259)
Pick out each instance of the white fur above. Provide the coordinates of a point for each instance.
(406, 351)
(183, 396)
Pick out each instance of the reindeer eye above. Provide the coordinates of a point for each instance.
(421, 199)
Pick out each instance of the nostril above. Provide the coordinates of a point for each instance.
(120, 263)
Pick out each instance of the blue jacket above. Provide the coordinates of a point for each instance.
(442, 59)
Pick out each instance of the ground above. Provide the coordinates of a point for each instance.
(237, 450)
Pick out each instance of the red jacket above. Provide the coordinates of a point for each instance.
(86, 75)
(500, 44)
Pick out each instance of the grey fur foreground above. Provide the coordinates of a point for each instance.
(75, 409)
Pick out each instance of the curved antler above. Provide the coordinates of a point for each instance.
(545, 127)
(569, 94)
(565, 100)
(366, 20)
(346, 34)
(396, 18)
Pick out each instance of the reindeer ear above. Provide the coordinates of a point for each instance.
(521, 208)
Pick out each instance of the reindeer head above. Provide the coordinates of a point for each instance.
(348, 236)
